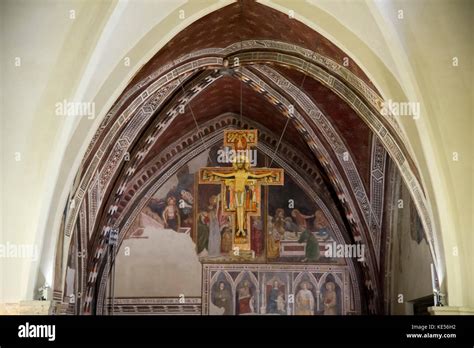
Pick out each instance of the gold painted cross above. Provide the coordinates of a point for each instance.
(240, 184)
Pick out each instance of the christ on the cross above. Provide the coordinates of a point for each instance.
(241, 184)
(238, 180)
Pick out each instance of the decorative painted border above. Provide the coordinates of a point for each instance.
(339, 272)
(377, 185)
(156, 306)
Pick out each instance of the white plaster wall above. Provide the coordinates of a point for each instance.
(164, 265)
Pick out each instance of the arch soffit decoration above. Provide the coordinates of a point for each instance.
(393, 143)
(172, 77)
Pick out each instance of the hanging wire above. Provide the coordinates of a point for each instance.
(192, 114)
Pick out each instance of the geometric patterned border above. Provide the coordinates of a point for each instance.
(156, 306)
(333, 139)
(377, 185)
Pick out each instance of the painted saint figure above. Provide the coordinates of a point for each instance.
(276, 228)
(330, 299)
(312, 246)
(171, 214)
(276, 300)
(226, 240)
(279, 221)
(304, 300)
(214, 245)
(203, 232)
(300, 219)
(244, 299)
(281, 303)
(223, 298)
(321, 225)
(257, 235)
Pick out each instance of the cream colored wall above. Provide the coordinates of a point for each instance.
(84, 58)
(434, 33)
(410, 60)
(53, 49)
(75, 59)
(410, 275)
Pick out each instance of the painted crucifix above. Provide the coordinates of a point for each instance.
(240, 184)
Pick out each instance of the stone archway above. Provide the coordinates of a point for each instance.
(121, 132)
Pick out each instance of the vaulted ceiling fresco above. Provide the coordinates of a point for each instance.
(318, 117)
